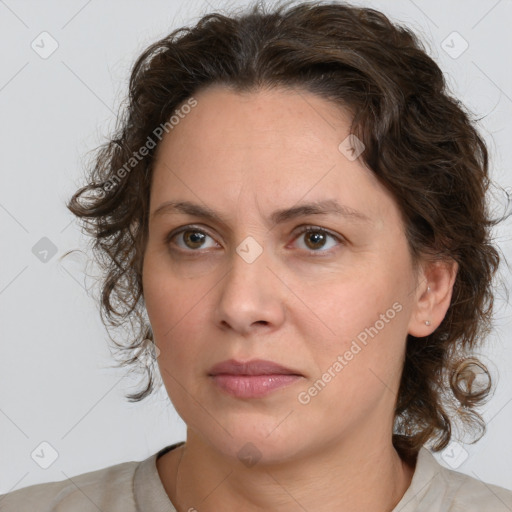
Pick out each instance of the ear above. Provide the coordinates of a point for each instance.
(433, 296)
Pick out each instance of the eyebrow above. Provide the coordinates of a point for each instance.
(325, 207)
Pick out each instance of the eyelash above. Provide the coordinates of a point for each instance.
(304, 230)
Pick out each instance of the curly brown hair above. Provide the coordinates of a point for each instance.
(420, 142)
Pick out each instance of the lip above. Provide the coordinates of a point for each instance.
(253, 367)
(252, 379)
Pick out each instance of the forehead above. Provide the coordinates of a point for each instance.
(257, 116)
(275, 145)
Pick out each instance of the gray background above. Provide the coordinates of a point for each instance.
(56, 384)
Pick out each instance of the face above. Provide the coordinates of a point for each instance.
(332, 305)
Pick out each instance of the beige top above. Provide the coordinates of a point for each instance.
(136, 487)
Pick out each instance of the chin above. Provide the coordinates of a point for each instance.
(252, 448)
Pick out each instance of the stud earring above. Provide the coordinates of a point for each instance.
(427, 322)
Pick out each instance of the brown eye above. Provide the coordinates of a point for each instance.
(317, 240)
(193, 239)
(190, 239)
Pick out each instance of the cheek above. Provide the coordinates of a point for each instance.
(359, 366)
(174, 308)
(173, 305)
(363, 320)
(348, 305)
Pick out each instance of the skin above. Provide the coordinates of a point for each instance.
(301, 303)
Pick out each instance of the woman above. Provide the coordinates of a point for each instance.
(298, 204)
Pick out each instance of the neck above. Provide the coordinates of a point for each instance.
(354, 476)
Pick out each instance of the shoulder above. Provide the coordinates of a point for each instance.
(435, 488)
(468, 494)
(108, 488)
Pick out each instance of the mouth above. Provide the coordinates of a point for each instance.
(252, 379)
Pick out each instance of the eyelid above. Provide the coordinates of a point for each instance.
(303, 228)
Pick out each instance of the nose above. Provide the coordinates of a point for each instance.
(250, 296)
